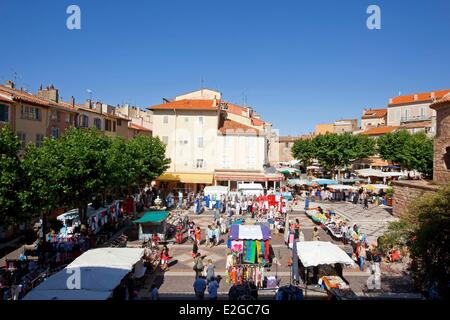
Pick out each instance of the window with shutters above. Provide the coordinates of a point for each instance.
(30, 113)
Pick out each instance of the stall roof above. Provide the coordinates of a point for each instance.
(100, 271)
(314, 253)
(325, 181)
(249, 232)
(153, 217)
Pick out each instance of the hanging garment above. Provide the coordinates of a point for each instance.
(261, 252)
(266, 250)
(258, 251)
(251, 252)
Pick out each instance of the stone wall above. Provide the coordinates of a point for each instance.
(407, 191)
(441, 169)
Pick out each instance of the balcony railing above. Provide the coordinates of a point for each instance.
(414, 118)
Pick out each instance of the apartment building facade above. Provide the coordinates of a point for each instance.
(373, 118)
(210, 141)
(413, 112)
(35, 116)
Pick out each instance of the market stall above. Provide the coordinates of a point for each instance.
(320, 253)
(152, 222)
(214, 193)
(100, 271)
(249, 254)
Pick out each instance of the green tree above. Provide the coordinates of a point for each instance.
(410, 151)
(12, 180)
(303, 150)
(337, 151)
(391, 146)
(149, 161)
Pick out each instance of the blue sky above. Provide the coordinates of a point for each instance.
(299, 62)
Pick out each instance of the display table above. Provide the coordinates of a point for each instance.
(337, 288)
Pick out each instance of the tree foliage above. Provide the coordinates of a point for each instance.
(410, 151)
(425, 230)
(11, 179)
(334, 151)
(73, 170)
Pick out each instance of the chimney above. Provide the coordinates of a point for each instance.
(49, 93)
(72, 101)
(10, 84)
(416, 97)
(89, 103)
(98, 106)
(433, 95)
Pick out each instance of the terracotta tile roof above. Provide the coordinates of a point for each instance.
(419, 124)
(93, 110)
(379, 130)
(22, 96)
(4, 97)
(186, 105)
(138, 127)
(241, 111)
(230, 127)
(374, 113)
(445, 100)
(421, 97)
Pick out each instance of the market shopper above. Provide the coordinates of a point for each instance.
(315, 235)
(210, 270)
(200, 287)
(165, 258)
(296, 229)
(198, 265)
(361, 254)
(198, 235)
(212, 289)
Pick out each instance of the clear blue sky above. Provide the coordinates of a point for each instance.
(299, 62)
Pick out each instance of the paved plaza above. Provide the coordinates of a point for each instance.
(176, 283)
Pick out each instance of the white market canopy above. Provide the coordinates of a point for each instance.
(314, 253)
(342, 187)
(211, 190)
(122, 258)
(370, 173)
(377, 173)
(100, 272)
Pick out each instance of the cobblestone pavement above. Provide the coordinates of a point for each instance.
(373, 222)
(176, 283)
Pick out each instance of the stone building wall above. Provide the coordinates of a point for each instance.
(441, 169)
(407, 191)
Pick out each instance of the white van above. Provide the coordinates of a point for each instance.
(251, 189)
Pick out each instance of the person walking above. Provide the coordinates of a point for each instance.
(210, 237)
(194, 249)
(210, 270)
(198, 265)
(361, 251)
(315, 235)
(365, 198)
(212, 289)
(200, 287)
(198, 235)
(165, 257)
(217, 235)
(296, 229)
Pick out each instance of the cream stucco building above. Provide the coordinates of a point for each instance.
(210, 141)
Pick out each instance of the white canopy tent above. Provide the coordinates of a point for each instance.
(314, 253)
(370, 173)
(99, 271)
(342, 187)
(212, 190)
(67, 295)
